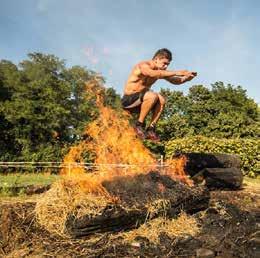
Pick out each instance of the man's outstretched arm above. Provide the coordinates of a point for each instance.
(161, 74)
(182, 79)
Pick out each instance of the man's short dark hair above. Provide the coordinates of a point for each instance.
(163, 52)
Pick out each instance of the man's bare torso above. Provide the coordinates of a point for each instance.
(137, 82)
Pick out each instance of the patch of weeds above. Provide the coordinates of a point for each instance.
(11, 189)
(6, 190)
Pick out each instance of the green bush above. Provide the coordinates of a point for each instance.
(247, 149)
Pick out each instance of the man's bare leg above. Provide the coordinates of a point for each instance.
(149, 100)
(158, 109)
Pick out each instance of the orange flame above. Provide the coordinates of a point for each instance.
(118, 151)
(175, 169)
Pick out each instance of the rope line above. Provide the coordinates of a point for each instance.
(71, 165)
(75, 164)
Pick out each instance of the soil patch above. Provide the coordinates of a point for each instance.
(228, 228)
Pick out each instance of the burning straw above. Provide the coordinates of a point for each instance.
(113, 141)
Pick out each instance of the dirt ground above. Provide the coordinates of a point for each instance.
(230, 227)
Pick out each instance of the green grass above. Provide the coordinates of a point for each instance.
(11, 180)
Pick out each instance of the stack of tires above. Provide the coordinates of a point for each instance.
(218, 170)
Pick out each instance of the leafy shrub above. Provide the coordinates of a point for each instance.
(247, 149)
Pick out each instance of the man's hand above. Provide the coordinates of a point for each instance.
(180, 78)
(190, 76)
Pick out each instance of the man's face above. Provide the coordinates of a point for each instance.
(161, 63)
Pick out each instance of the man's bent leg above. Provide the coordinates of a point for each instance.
(158, 109)
(149, 100)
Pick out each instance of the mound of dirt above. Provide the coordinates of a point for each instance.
(224, 231)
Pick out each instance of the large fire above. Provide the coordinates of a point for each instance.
(118, 151)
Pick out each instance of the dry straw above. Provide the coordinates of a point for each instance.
(181, 226)
(65, 198)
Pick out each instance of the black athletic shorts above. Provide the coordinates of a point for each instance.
(133, 101)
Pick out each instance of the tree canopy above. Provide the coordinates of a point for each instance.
(44, 107)
(224, 111)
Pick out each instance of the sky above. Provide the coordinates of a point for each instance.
(218, 39)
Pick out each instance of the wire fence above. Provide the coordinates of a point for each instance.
(54, 165)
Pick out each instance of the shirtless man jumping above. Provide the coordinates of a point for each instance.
(139, 98)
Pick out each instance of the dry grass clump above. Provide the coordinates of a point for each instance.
(158, 207)
(183, 225)
(67, 197)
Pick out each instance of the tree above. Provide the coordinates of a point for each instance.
(81, 102)
(38, 106)
(43, 106)
(225, 111)
(9, 77)
(173, 122)
(236, 114)
(112, 99)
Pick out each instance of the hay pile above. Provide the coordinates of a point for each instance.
(66, 198)
(72, 208)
